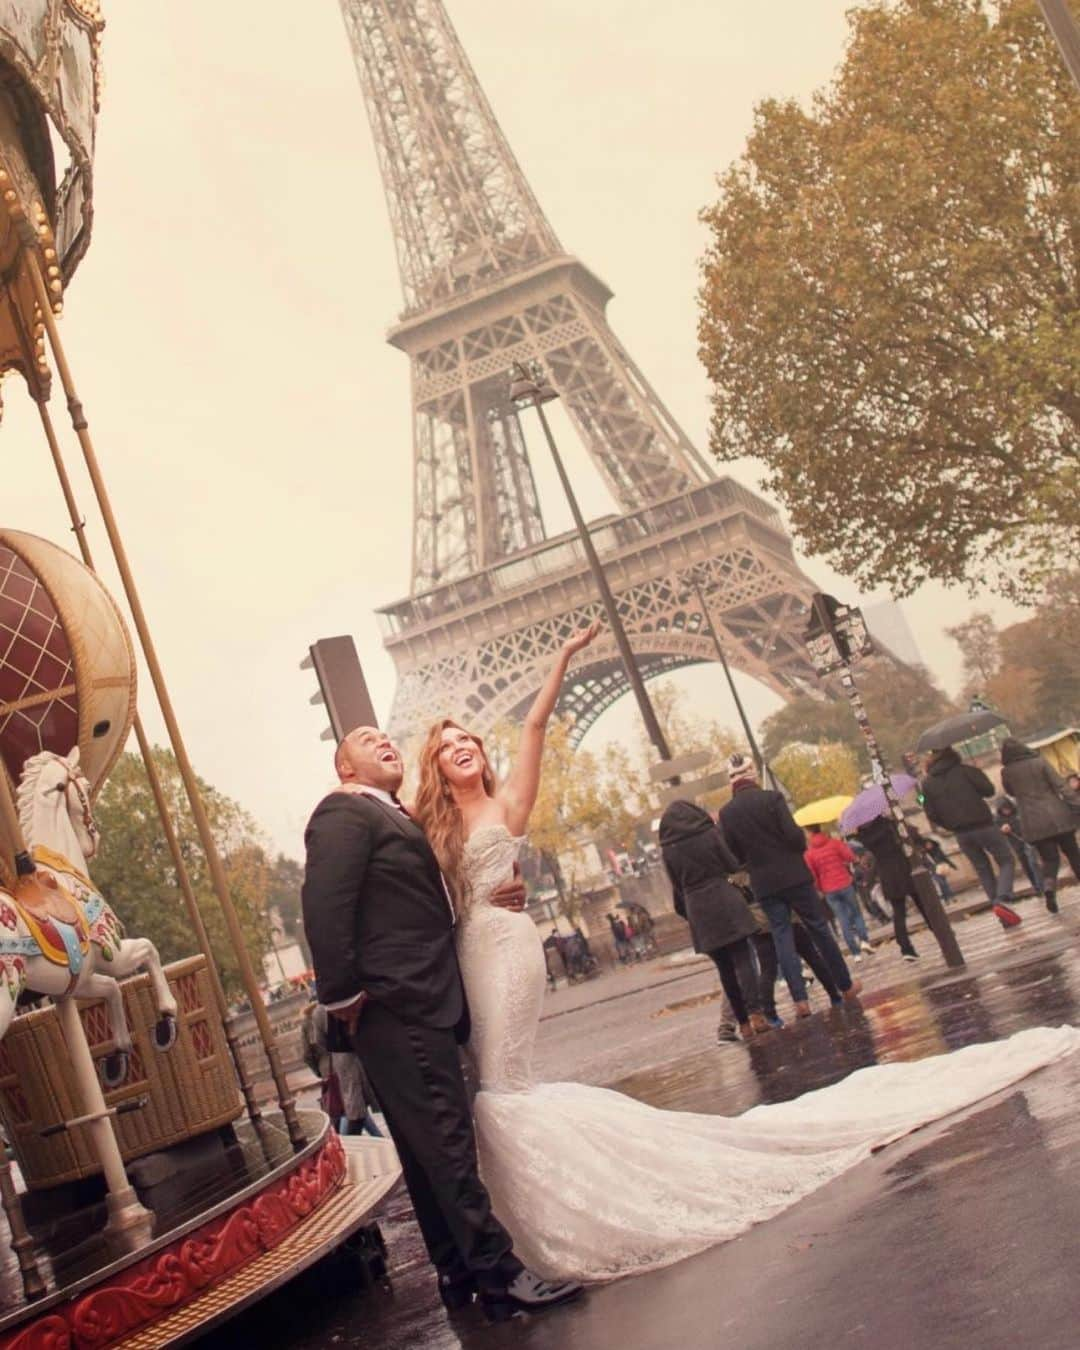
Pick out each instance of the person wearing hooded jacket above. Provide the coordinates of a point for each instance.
(831, 861)
(956, 798)
(1049, 811)
(698, 863)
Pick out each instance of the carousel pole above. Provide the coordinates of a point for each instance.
(126, 1213)
(187, 773)
(22, 1244)
(183, 877)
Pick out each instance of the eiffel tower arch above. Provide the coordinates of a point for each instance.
(486, 284)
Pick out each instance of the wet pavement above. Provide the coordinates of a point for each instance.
(966, 1234)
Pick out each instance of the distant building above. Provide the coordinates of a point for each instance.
(888, 623)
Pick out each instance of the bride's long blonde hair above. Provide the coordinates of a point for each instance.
(436, 811)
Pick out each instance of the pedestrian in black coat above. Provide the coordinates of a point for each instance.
(764, 839)
(1049, 811)
(698, 862)
(956, 797)
(881, 838)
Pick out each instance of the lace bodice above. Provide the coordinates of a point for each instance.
(502, 965)
(489, 857)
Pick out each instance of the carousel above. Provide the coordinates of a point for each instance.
(147, 1191)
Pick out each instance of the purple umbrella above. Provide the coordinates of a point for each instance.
(872, 802)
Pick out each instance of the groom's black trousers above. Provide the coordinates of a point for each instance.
(416, 1074)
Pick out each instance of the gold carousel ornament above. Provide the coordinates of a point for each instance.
(286, 1189)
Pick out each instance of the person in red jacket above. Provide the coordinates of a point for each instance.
(830, 861)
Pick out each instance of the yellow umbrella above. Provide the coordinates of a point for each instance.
(822, 812)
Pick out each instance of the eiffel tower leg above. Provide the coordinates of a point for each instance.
(639, 448)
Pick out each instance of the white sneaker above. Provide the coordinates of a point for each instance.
(868, 948)
(857, 960)
(911, 956)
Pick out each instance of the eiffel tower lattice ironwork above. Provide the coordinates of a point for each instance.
(487, 284)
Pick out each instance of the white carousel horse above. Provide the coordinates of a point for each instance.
(68, 941)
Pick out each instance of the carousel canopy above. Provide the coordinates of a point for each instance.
(67, 669)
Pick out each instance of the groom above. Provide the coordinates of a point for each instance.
(380, 923)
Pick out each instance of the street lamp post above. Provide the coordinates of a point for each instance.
(1065, 30)
(836, 638)
(529, 391)
(764, 771)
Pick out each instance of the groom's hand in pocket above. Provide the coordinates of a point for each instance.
(350, 1013)
(511, 894)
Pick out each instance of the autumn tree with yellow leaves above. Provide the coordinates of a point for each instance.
(889, 310)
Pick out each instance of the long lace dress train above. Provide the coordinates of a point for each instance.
(594, 1185)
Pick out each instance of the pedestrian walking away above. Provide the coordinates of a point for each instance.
(956, 797)
(764, 838)
(938, 862)
(831, 861)
(882, 838)
(345, 1093)
(620, 938)
(1007, 815)
(698, 863)
(1049, 811)
(864, 876)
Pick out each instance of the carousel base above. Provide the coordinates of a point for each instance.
(234, 1218)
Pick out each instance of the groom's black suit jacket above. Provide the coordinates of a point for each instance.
(376, 913)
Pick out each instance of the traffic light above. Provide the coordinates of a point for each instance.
(342, 687)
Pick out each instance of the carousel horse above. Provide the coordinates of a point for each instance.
(57, 934)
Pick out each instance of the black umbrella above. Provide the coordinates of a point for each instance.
(959, 728)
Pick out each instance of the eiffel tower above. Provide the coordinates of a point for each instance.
(486, 284)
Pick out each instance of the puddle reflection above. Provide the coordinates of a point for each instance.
(908, 1021)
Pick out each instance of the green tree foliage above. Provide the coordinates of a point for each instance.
(134, 869)
(283, 892)
(889, 310)
(808, 721)
(578, 803)
(901, 702)
(1036, 663)
(977, 638)
(810, 772)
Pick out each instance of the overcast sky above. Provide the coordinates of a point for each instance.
(227, 326)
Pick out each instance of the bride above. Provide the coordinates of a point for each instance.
(592, 1184)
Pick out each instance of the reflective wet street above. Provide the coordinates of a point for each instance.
(966, 1234)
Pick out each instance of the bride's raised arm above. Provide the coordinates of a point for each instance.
(518, 793)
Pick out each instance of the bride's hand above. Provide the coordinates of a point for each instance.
(581, 639)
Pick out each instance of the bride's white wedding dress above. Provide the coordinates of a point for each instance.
(593, 1184)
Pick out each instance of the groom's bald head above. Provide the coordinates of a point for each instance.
(369, 758)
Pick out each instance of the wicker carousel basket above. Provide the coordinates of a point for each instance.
(191, 1088)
